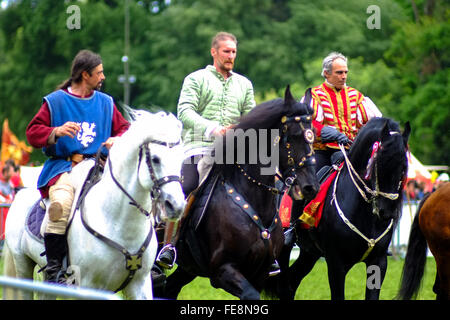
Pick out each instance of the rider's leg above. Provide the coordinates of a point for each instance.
(189, 174)
(190, 179)
(61, 197)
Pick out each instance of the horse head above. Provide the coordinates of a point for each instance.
(297, 162)
(382, 164)
(159, 157)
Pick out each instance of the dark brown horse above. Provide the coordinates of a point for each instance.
(431, 226)
(234, 240)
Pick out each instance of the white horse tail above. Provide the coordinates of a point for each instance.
(9, 270)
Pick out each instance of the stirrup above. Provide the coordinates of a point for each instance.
(275, 269)
(290, 237)
(166, 264)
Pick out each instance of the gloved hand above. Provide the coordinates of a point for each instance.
(330, 134)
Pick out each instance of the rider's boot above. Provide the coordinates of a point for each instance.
(61, 196)
(55, 250)
(168, 254)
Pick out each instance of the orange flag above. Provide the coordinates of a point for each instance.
(13, 148)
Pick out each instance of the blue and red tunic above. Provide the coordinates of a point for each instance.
(98, 118)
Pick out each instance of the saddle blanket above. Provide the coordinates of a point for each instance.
(34, 220)
(313, 211)
(85, 173)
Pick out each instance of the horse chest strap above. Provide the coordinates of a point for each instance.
(239, 200)
(133, 261)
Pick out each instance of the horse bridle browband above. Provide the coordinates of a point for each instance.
(155, 192)
(134, 261)
(307, 160)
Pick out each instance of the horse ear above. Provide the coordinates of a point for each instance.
(385, 130)
(307, 99)
(406, 133)
(288, 98)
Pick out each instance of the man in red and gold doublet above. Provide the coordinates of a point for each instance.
(339, 112)
(341, 109)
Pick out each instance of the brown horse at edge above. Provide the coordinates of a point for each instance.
(431, 227)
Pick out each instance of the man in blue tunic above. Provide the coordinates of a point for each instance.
(72, 124)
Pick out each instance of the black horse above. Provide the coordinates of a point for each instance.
(233, 233)
(361, 209)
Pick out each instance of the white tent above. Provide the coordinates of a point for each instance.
(30, 176)
(418, 172)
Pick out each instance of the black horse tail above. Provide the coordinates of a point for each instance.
(415, 260)
(271, 287)
(277, 287)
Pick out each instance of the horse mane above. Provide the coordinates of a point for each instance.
(268, 114)
(145, 125)
(372, 131)
(265, 115)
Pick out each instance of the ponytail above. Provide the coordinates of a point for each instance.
(65, 84)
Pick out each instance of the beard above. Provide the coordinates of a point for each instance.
(99, 86)
(227, 66)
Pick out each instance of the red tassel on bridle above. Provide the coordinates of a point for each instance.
(370, 163)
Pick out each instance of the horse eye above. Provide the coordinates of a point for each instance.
(156, 160)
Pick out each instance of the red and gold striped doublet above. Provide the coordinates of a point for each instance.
(341, 109)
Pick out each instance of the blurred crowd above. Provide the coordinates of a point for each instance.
(10, 181)
(416, 190)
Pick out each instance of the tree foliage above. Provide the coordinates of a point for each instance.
(402, 66)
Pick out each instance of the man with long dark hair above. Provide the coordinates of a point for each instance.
(72, 124)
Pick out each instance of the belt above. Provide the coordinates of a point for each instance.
(76, 158)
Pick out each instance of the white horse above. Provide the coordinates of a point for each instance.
(111, 239)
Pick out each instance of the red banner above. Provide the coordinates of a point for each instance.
(13, 148)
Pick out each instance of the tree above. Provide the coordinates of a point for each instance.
(420, 52)
(401, 66)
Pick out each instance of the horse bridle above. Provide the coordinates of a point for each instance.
(374, 195)
(308, 159)
(134, 261)
(288, 177)
(155, 192)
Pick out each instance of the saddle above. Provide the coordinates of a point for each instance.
(35, 216)
(190, 250)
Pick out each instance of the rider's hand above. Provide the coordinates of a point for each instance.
(330, 134)
(109, 143)
(219, 131)
(69, 128)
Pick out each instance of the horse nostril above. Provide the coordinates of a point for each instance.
(169, 207)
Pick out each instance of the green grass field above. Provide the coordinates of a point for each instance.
(315, 285)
